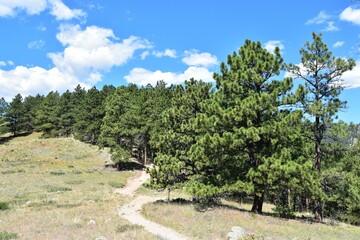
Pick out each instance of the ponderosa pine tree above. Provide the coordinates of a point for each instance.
(175, 135)
(47, 117)
(31, 106)
(90, 116)
(66, 114)
(3, 121)
(321, 73)
(242, 124)
(16, 115)
(112, 134)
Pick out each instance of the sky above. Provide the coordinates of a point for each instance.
(54, 45)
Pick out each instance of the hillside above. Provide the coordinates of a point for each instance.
(59, 189)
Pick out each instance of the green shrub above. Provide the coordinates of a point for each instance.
(8, 235)
(59, 172)
(116, 184)
(126, 227)
(4, 206)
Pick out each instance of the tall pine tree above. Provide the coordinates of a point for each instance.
(321, 73)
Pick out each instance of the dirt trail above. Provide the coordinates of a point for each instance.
(132, 211)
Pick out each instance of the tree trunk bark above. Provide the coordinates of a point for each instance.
(145, 155)
(289, 198)
(318, 137)
(168, 197)
(258, 203)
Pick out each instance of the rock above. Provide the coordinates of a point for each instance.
(92, 222)
(236, 233)
(101, 238)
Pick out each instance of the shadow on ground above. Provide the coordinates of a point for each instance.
(126, 166)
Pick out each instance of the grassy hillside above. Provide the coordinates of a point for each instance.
(216, 222)
(59, 189)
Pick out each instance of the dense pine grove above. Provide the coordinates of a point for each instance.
(249, 136)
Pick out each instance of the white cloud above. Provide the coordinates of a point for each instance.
(144, 55)
(351, 15)
(167, 53)
(141, 76)
(271, 45)
(6, 63)
(320, 18)
(63, 12)
(330, 27)
(87, 54)
(41, 28)
(338, 44)
(9, 8)
(352, 78)
(36, 44)
(31, 81)
(94, 49)
(194, 58)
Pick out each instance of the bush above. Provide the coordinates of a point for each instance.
(116, 184)
(8, 235)
(4, 206)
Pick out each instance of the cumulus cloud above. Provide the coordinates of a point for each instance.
(320, 18)
(271, 45)
(62, 12)
(31, 81)
(352, 78)
(87, 54)
(167, 53)
(94, 49)
(351, 15)
(141, 76)
(330, 27)
(36, 44)
(195, 58)
(144, 55)
(6, 63)
(338, 44)
(10, 8)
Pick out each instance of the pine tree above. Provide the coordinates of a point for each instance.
(90, 116)
(31, 106)
(242, 124)
(175, 134)
(66, 114)
(321, 73)
(3, 121)
(47, 117)
(16, 115)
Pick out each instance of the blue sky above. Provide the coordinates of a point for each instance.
(50, 45)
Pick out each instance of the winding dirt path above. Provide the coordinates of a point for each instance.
(132, 211)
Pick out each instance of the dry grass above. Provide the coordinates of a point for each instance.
(59, 189)
(217, 222)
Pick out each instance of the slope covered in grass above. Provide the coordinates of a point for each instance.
(59, 189)
(216, 222)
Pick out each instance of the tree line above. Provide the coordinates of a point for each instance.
(249, 136)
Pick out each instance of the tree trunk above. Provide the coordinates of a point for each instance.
(168, 197)
(289, 198)
(318, 210)
(145, 155)
(307, 202)
(258, 203)
(318, 137)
